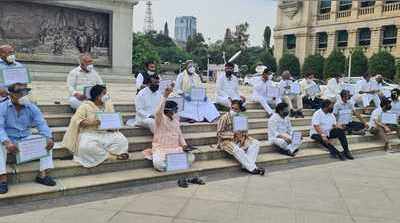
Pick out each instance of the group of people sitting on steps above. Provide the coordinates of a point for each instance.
(157, 112)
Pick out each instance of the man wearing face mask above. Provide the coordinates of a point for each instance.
(146, 103)
(90, 145)
(294, 101)
(261, 84)
(394, 96)
(194, 111)
(367, 90)
(143, 78)
(238, 144)
(17, 115)
(168, 137)
(381, 129)
(324, 128)
(228, 87)
(280, 131)
(333, 88)
(311, 97)
(83, 76)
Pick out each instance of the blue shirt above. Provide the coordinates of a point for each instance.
(16, 126)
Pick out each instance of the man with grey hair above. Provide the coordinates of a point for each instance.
(80, 77)
(294, 100)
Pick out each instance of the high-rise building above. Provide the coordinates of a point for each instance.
(185, 26)
(319, 26)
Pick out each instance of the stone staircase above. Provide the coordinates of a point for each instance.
(74, 179)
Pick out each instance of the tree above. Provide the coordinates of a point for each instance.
(166, 30)
(383, 63)
(195, 41)
(267, 37)
(314, 64)
(291, 63)
(266, 58)
(334, 64)
(398, 70)
(142, 51)
(359, 63)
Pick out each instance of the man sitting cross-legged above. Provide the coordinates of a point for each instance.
(17, 116)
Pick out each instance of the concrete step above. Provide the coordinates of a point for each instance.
(67, 168)
(29, 191)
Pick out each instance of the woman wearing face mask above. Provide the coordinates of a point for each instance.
(238, 144)
(280, 131)
(89, 145)
(168, 137)
(380, 129)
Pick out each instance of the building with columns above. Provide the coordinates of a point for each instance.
(306, 27)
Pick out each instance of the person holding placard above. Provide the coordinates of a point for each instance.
(291, 94)
(367, 90)
(324, 128)
(379, 80)
(261, 92)
(381, 127)
(394, 95)
(146, 103)
(168, 137)
(80, 77)
(90, 144)
(228, 87)
(17, 116)
(237, 143)
(310, 92)
(280, 131)
(333, 88)
(143, 78)
(197, 106)
(343, 110)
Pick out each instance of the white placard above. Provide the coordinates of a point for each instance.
(386, 93)
(109, 120)
(197, 94)
(296, 138)
(31, 149)
(177, 161)
(86, 91)
(15, 75)
(240, 123)
(389, 118)
(164, 84)
(295, 88)
(366, 99)
(273, 92)
(180, 101)
(313, 90)
(349, 87)
(345, 116)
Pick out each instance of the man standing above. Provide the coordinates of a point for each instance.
(289, 97)
(143, 78)
(228, 87)
(333, 88)
(367, 90)
(17, 116)
(83, 76)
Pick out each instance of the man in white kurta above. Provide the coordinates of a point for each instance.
(333, 88)
(194, 110)
(367, 90)
(280, 131)
(143, 78)
(82, 76)
(228, 87)
(146, 103)
(261, 86)
(310, 92)
(294, 100)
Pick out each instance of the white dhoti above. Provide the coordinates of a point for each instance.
(282, 144)
(148, 123)
(199, 111)
(267, 104)
(160, 163)
(45, 163)
(247, 158)
(365, 99)
(294, 101)
(224, 100)
(74, 102)
(95, 147)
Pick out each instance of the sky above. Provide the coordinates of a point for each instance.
(213, 16)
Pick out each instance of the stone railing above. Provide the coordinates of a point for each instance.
(390, 7)
(388, 48)
(290, 51)
(324, 16)
(366, 10)
(342, 14)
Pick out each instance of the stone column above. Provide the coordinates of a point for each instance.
(278, 46)
(302, 46)
(352, 38)
(378, 8)
(334, 9)
(354, 9)
(376, 39)
(331, 42)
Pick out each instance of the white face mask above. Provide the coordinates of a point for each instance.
(151, 72)
(90, 67)
(11, 58)
(105, 98)
(192, 70)
(24, 100)
(233, 113)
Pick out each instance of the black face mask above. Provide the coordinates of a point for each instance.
(154, 88)
(330, 110)
(285, 113)
(394, 97)
(388, 108)
(229, 73)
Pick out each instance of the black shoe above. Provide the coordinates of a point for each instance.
(3, 187)
(258, 171)
(348, 155)
(47, 181)
(182, 182)
(196, 180)
(300, 114)
(292, 113)
(341, 156)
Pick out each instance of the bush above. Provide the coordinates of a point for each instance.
(291, 63)
(398, 70)
(267, 59)
(382, 63)
(314, 64)
(334, 64)
(359, 63)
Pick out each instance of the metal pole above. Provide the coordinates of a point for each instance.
(349, 74)
(208, 68)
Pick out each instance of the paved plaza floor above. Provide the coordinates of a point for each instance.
(366, 190)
